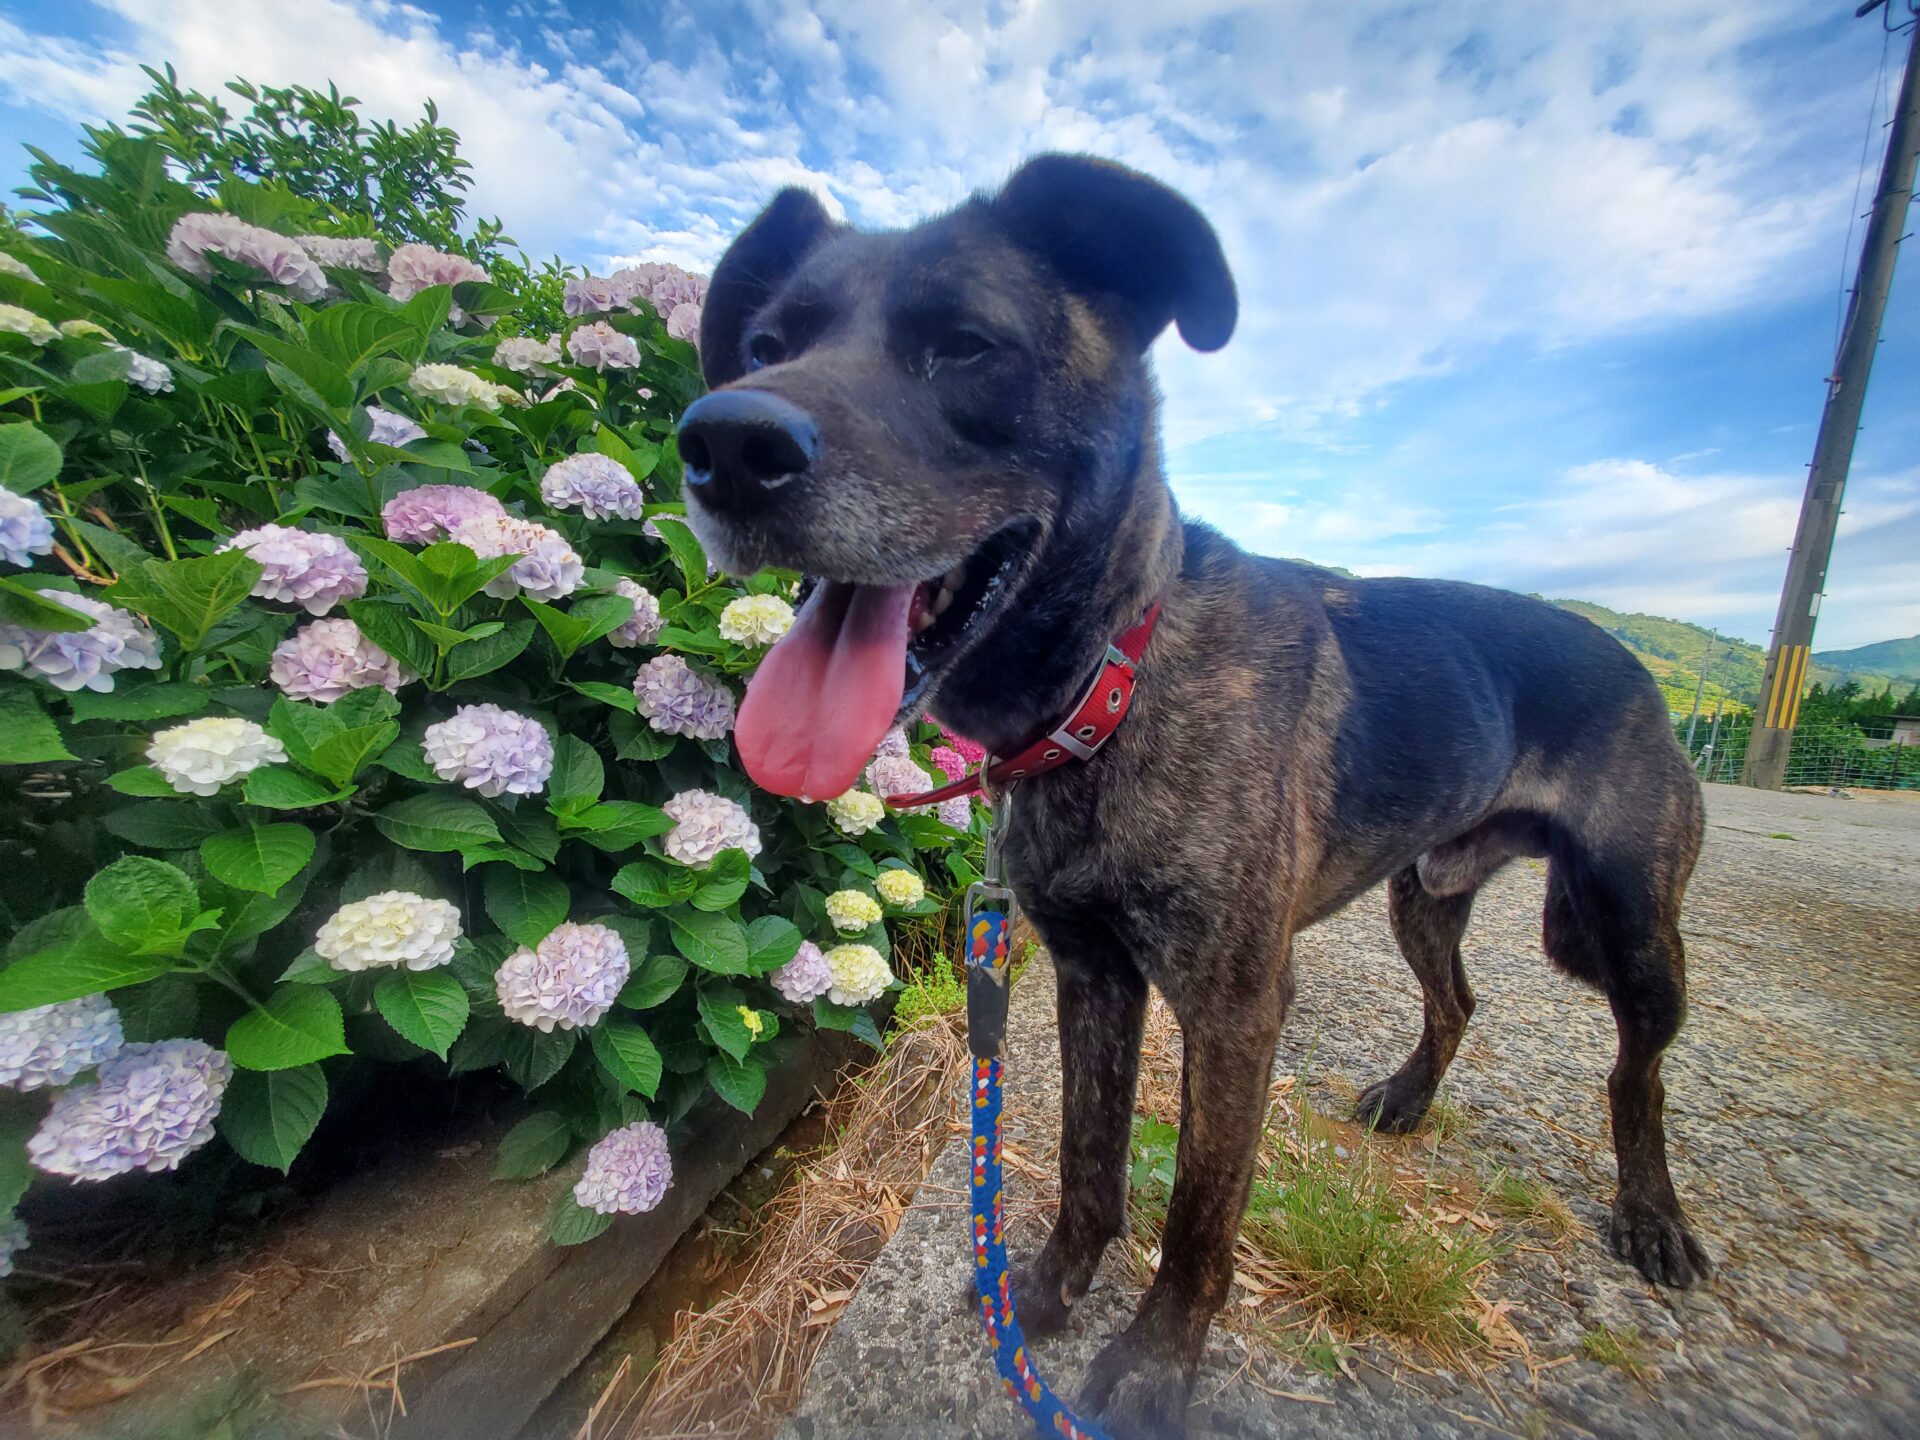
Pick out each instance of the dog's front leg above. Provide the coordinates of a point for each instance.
(1140, 1383)
(1102, 1008)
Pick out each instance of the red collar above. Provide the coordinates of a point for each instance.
(1088, 726)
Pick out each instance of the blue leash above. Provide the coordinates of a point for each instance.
(989, 916)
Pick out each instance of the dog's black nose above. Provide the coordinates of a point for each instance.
(737, 445)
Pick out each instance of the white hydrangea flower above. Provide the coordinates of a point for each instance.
(197, 758)
(708, 824)
(643, 626)
(13, 265)
(851, 911)
(13, 1239)
(525, 355)
(860, 974)
(26, 532)
(386, 931)
(147, 374)
(627, 1172)
(900, 888)
(51, 1044)
(18, 321)
(857, 812)
(569, 979)
(755, 620)
(451, 385)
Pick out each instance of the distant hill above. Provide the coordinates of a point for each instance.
(1672, 650)
(1897, 660)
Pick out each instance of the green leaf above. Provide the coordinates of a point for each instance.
(261, 857)
(163, 824)
(278, 787)
(618, 825)
(723, 882)
(268, 1117)
(573, 1223)
(771, 943)
(393, 630)
(142, 904)
(855, 859)
(247, 913)
(27, 735)
(534, 1057)
(654, 982)
(534, 1146)
(163, 700)
(628, 1054)
(856, 1020)
(144, 781)
(188, 597)
(351, 335)
(526, 906)
(588, 620)
(16, 1171)
(578, 775)
(428, 1007)
(304, 372)
(687, 554)
(720, 1010)
(530, 830)
(71, 970)
(298, 1025)
(164, 1006)
(483, 657)
(741, 1083)
(634, 739)
(343, 755)
(38, 609)
(29, 458)
(717, 943)
(620, 697)
(437, 821)
(645, 883)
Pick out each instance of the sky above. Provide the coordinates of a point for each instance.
(1538, 295)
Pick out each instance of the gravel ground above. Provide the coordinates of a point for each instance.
(1791, 1115)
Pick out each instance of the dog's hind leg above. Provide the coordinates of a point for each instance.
(1103, 1008)
(1614, 923)
(1428, 928)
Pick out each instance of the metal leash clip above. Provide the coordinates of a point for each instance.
(989, 924)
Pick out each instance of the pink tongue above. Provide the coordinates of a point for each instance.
(824, 696)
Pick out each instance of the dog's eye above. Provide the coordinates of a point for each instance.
(958, 346)
(763, 350)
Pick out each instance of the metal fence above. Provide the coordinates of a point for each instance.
(1822, 755)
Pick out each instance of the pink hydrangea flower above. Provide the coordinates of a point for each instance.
(891, 775)
(643, 626)
(282, 260)
(598, 486)
(684, 323)
(302, 567)
(602, 347)
(708, 824)
(678, 700)
(628, 1172)
(592, 295)
(327, 659)
(427, 513)
(413, 268)
(970, 750)
(343, 252)
(548, 568)
(806, 977)
(948, 761)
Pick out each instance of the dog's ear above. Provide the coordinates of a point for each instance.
(753, 267)
(1105, 229)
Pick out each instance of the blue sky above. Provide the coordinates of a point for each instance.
(1538, 295)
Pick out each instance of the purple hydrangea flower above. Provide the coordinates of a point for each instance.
(81, 659)
(709, 823)
(643, 626)
(598, 486)
(491, 750)
(281, 260)
(384, 427)
(806, 977)
(591, 295)
(25, 530)
(427, 513)
(569, 979)
(957, 812)
(51, 1044)
(302, 567)
(147, 373)
(326, 659)
(602, 347)
(891, 775)
(628, 1171)
(678, 700)
(151, 1106)
(548, 568)
(893, 743)
(413, 268)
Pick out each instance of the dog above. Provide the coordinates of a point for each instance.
(951, 430)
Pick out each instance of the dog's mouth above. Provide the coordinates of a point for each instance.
(857, 658)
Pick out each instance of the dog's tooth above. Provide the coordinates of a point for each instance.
(922, 620)
(956, 577)
(942, 601)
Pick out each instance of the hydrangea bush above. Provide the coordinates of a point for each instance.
(365, 699)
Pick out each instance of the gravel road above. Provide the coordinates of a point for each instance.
(1793, 1108)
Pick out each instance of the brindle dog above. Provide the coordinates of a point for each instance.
(968, 404)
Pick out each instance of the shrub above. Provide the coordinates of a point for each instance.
(333, 735)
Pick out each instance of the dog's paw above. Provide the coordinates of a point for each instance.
(1391, 1108)
(1136, 1393)
(1657, 1243)
(1039, 1303)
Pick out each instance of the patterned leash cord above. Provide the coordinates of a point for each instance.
(989, 919)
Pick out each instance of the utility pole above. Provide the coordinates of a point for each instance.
(1700, 689)
(1792, 642)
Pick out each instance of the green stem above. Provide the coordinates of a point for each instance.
(214, 972)
(159, 514)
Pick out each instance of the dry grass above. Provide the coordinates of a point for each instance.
(739, 1368)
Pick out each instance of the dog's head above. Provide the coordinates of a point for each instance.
(912, 418)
